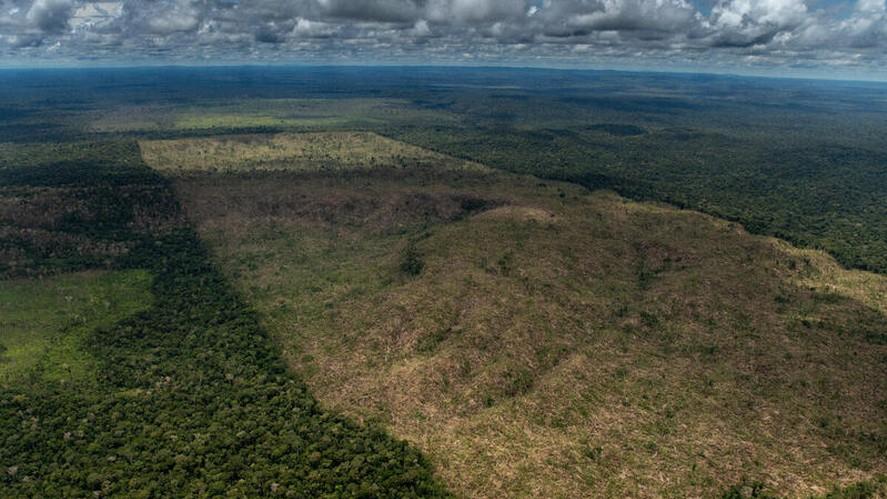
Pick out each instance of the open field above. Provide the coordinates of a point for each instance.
(537, 339)
(239, 120)
(285, 114)
(300, 152)
(44, 321)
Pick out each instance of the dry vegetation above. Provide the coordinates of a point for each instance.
(290, 114)
(304, 114)
(302, 152)
(535, 339)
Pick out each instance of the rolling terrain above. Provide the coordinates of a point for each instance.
(534, 338)
(801, 160)
(427, 282)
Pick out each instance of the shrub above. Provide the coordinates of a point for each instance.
(411, 261)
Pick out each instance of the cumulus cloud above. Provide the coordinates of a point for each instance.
(580, 16)
(163, 17)
(421, 29)
(307, 28)
(372, 10)
(477, 10)
(50, 15)
(753, 22)
(769, 33)
(867, 26)
(95, 16)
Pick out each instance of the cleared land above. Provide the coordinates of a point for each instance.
(301, 152)
(284, 114)
(537, 339)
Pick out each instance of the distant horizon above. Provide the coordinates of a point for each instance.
(378, 258)
(810, 39)
(770, 75)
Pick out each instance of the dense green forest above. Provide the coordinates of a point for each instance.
(189, 396)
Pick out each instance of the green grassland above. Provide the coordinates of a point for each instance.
(537, 339)
(238, 120)
(43, 321)
(305, 152)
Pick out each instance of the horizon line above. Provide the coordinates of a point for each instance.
(675, 71)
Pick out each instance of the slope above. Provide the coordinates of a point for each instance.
(535, 338)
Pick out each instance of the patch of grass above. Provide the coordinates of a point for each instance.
(747, 490)
(301, 152)
(303, 114)
(43, 322)
(242, 120)
(248, 113)
(867, 489)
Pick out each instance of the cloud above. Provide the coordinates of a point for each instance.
(50, 16)
(743, 23)
(741, 33)
(867, 26)
(163, 17)
(409, 11)
(372, 10)
(421, 29)
(478, 10)
(582, 16)
(95, 16)
(306, 28)
(24, 41)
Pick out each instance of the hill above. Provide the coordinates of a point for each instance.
(536, 338)
(322, 262)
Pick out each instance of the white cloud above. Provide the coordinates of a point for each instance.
(486, 10)
(740, 14)
(871, 6)
(421, 29)
(746, 31)
(747, 23)
(307, 28)
(95, 15)
(629, 15)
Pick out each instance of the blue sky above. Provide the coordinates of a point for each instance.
(830, 38)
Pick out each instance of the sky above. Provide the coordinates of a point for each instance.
(824, 38)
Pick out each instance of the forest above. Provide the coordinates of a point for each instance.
(187, 395)
(394, 281)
